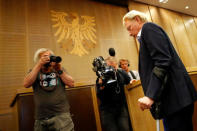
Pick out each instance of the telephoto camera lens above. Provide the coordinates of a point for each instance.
(56, 59)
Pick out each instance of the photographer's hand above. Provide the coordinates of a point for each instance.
(101, 82)
(67, 79)
(44, 59)
(57, 67)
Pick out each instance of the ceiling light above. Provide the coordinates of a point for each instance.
(186, 7)
(163, 1)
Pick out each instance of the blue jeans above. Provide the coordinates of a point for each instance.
(115, 118)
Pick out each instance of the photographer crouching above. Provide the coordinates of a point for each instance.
(48, 81)
(110, 90)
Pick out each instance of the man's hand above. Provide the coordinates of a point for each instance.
(100, 82)
(133, 81)
(145, 103)
(44, 59)
(57, 67)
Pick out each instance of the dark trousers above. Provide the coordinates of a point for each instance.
(181, 120)
(115, 119)
(61, 122)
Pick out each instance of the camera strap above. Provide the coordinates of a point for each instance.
(132, 74)
(117, 88)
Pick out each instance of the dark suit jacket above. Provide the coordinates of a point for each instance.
(108, 96)
(156, 50)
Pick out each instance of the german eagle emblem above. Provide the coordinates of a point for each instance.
(79, 29)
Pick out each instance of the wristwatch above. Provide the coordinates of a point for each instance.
(59, 72)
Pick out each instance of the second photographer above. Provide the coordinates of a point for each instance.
(48, 80)
(113, 106)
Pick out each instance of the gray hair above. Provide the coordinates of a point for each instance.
(39, 51)
(111, 59)
(132, 14)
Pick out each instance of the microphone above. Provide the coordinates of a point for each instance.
(112, 52)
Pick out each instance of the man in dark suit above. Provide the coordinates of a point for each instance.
(158, 56)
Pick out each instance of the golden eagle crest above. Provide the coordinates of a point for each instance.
(80, 30)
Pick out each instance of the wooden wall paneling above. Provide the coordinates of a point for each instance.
(191, 30)
(12, 51)
(195, 21)
(12, 16)
(159, 16)
(38, 28)
(12, 64)
(183, 42)
(38, 17)
(102, 16)
(140, 7)
(6, 122)
(115, 15)
(27, 55)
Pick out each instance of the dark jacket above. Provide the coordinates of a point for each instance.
(156, 50)
(114, 96)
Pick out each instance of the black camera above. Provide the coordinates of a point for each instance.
(105, 72)
(56, 59)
